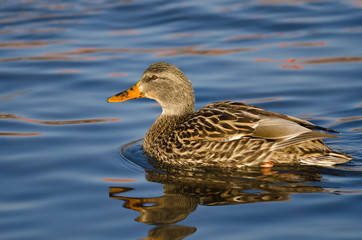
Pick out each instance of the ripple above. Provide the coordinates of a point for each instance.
(19, 134)
(73, 54)
(311, 61)
(61, 122)
(12, 95)
(22, 44)
(133, 153)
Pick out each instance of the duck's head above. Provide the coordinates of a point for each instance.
(165, 83)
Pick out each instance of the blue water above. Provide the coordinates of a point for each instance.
(71, 166)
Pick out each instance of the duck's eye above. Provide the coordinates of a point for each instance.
(154, 77)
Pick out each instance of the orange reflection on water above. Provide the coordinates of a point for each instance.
(124, 32)
(6, 97)
(18, 44)
(55, 57)
(117, 180)
(58, 6)
(291, 66)
(90, 50)
(357, 130)
(39, 58)
(7, 20)
(69, 122)
(19, 134)
(122, 74)
(303, 61)
(345, 120)
(67, 71)
(330, 60)
(307, 44)
(62, 122)
(161, 52)
(196, 51)
(291, 60)
(358, 3)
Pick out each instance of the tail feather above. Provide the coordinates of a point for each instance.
(330, 159)
(316, 127)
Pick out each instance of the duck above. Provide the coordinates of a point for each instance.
(224, 134)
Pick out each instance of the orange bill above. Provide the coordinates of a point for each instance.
(131, 93)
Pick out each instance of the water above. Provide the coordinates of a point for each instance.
(70, 167)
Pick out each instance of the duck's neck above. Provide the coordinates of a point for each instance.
(164, 125)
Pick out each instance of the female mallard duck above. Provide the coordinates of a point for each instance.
(223, 134)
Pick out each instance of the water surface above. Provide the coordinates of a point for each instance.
(72, 168)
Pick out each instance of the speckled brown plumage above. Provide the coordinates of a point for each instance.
(224, 134)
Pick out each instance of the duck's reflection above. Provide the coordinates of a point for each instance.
(185, 189)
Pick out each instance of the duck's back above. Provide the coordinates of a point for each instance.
(234, 134)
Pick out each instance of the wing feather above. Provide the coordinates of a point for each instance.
(230, 121)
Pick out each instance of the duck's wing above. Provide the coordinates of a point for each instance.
(229, 121)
